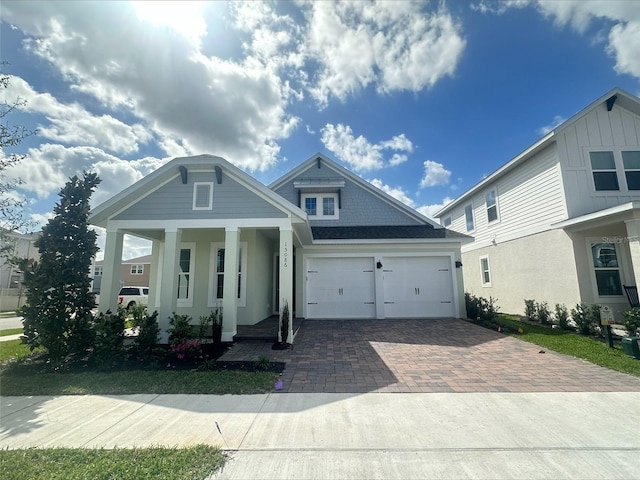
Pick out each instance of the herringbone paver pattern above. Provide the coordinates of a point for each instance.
(425, 355)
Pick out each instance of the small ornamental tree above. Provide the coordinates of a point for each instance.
(58, 315)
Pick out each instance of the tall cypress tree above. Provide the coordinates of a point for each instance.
(57, 314)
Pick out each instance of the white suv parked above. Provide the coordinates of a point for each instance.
(130, 296)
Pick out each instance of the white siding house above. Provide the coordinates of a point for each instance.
(561, 221)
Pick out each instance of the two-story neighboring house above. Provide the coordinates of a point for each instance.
(134, 271)
(561, 221)
(20, 246)
(321, 239)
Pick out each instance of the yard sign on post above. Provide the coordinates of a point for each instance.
(606, 320)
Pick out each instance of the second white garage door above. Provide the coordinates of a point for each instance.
(412, 287)
(417, 287)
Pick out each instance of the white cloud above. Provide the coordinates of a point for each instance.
(233, 109)
(361, 154)
(73, 124)
(47, 168)
(431, 210)
(624, 34)
(391, 45)
(434, 174)
(557, 120)
(396, 192)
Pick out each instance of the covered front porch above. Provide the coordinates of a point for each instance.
(606, 246)
(189, 266)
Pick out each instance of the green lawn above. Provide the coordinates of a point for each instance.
(572, 344)
(160, 463)
(27, 379)
(13, 349)
(11, 331)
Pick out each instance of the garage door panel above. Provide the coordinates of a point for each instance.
(340, 288)
(418, 287)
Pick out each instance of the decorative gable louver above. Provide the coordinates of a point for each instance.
(202, 195)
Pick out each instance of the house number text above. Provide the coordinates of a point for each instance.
(285, 255)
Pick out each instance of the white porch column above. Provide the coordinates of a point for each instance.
(110, 285)
(154, 276)
(633, 236)
(230, 285)
(169, 280)
(286, 277)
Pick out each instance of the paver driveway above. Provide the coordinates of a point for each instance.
(425, 355)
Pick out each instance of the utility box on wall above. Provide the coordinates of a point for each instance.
(631, 346)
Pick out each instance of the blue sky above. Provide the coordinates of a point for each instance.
(421, 99)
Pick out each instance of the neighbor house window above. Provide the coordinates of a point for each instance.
(217, 273)
(468, 215)
(631, 162)
(607, 270)
(202, 195)
(485, 271)
(97, 271)
(137, 269)
(492, 206)
(186, 269)
(323, 206)
(447, 221)
(603, 166)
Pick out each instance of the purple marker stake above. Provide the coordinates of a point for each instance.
(279, 385)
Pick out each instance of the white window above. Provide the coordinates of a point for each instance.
(603, 166)
(137, 269)
(468, 215)
(216, 274)
(447, 221)
(631, 163)
(485, 271)
(186, 274)
(322, 206)
(97, 271)
(492, 206)
(607, 269)
(203, 195)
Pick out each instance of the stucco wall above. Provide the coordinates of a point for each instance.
(539, 267)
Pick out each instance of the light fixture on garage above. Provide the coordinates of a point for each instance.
(379, 264)
(458, 264)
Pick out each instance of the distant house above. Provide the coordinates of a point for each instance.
(134, 271)
(321, 239)
(21, 246)
(561, 221)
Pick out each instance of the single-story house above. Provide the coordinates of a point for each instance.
(321, 239)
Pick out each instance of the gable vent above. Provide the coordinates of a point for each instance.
(203, 195)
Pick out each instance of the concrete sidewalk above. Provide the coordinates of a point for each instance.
(374, 435)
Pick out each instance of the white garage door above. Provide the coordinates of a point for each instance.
(417, 287)
(340, 288)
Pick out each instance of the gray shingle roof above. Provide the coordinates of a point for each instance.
(380, 232)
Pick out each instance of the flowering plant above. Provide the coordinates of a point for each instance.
(187, 349)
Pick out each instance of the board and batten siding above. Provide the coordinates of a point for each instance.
(616, 130)
(359, 206)
(530, 198)
(174, 200)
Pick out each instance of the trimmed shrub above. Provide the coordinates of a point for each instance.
(148, 330)
(108, 350)
(180, 329)
(561, 316)
(543, 314)
(530, 309)
(632, 322)
(479, 308)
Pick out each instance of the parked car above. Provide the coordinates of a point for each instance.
(130, 296)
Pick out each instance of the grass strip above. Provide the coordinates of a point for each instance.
(25, 379)
(196, 462)
(11, 331)
(14, 349)
(571, 343)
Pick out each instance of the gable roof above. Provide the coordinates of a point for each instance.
(156, 179)
(300, 169)
(617, 96)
